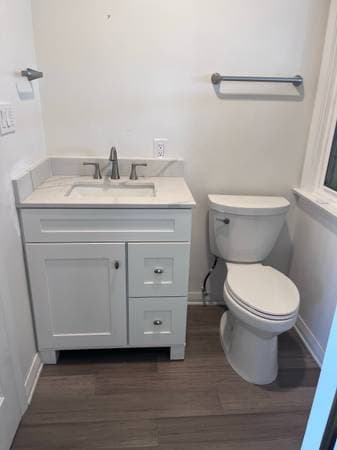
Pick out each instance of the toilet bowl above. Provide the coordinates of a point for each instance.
(262, 302)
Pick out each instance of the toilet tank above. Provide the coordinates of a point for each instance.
(244, 228)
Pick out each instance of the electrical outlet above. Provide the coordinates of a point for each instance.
(7, 122)
(160, 147)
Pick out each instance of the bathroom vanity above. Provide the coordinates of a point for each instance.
(107, 261)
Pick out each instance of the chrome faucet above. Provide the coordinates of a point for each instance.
(114, 167)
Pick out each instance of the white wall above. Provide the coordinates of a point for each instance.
(314, 262)
(314, 270)
(17, 151)
(124, 71)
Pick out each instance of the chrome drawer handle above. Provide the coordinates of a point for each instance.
(158, 270)
(157, 322)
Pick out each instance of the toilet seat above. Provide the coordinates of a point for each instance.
(262, 290)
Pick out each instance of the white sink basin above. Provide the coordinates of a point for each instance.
(102, 189)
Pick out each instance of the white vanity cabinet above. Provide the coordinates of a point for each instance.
(106, 278)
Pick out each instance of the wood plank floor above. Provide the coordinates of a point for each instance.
(138, 399)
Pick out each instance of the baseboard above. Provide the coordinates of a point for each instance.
(196, 298)
(310, 341)
(33, 376)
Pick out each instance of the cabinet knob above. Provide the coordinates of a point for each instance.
(158, 270)
(226, 221)
(116, 265)
(157, 322)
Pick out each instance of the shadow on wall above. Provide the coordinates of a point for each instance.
(281, 255)
(296, 94)
(216, 280)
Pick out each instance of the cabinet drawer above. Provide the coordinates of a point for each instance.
(157, 321)
(158, 269)
(104, 225)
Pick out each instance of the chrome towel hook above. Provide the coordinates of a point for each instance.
(31, 74)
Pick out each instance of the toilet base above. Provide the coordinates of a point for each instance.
(253, 357)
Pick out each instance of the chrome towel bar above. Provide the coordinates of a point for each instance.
(296, 81)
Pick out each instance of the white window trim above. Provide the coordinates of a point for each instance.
(323, 125)
(326, 147)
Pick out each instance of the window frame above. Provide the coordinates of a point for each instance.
(331, 128)
(324, 120)
(326, 145)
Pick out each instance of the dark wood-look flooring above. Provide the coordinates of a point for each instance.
(138, 399)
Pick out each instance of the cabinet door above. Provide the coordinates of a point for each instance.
(79, 294)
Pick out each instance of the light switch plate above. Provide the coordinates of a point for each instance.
(7, 121)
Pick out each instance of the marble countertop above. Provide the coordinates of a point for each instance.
(56, 192)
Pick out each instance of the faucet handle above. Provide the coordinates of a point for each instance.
(113, 154)
(133, 173)
(97, 174)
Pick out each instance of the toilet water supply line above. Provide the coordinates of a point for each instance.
(204, 288)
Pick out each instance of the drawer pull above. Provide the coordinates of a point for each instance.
(158, 270)
(116, 265)
(226, 221)
(157, 322)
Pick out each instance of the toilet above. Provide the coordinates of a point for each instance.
(262, 302)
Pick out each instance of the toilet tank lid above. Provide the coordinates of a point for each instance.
(248, 204)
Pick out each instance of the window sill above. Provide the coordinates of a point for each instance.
(324, 205)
